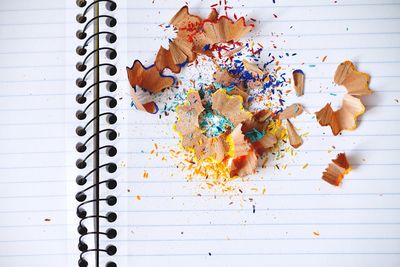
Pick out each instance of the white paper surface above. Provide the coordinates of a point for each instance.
(358, 223)
(33, 180)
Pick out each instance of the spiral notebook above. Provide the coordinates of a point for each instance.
(74, 151)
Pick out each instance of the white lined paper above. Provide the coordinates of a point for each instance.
(27, 239)
(358, 223)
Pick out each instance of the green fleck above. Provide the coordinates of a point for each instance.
(254, 135)
(213, 124)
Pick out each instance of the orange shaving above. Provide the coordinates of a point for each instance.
(355, 82)
(265, 143)
(344, 118)
(294, 138)
(148, 78)
(223, 77)
(241, 146)
(180, 49)
(298, 80)
(221, 30)
(336, 170)
(192, 137)
(230, 106)
(244, 160)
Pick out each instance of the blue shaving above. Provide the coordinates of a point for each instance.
(206, 47)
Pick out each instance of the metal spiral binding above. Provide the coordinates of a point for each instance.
(96, 88)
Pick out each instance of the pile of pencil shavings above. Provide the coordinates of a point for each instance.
(219, 132)
(194, 36)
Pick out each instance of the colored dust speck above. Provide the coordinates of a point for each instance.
(316, 233)
(305, 166)
(145, 174)
(264, 190)
(138, 197)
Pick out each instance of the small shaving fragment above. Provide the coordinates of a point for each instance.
(336, 170)
(298, 80)
(294, 139)
(239, 91)
(224, 78)
(150, 107)
(253, 69)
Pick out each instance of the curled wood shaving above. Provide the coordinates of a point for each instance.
(244, 165)
(148, 78)
(230, 106)
(344, 118)
(187, 124)
(180, 49)
(239, 91)
(240, 145)
(258, 121)
(356, 83)
(253, 69)
(336, 170)
(263, 145)
(224, 78)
